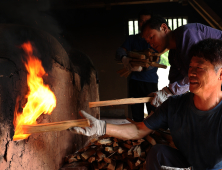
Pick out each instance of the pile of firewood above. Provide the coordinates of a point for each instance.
(112, 153)
(144, 59)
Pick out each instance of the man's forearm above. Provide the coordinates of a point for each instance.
(128, 131)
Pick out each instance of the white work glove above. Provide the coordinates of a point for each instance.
(126, 62)
(97, 127)
(160, 96)
(137, 68)
(128, 66)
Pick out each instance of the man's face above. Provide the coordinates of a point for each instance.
(156, 38)
(202, 76)
(142, 20)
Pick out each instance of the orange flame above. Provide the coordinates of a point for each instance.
(40, 99)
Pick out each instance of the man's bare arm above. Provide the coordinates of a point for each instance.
(128, 131)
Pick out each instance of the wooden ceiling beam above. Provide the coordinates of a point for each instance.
(207, 13)
(109, 4)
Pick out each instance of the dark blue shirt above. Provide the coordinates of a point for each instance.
(137, 43)
(197, 134)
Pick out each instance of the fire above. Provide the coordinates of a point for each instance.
(40, 99)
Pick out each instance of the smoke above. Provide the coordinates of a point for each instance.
(38, 14)
(33, 13)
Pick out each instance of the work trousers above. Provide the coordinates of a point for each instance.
(139, 89)
(165, 155)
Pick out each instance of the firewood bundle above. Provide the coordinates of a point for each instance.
(112, 153)
(144, 59)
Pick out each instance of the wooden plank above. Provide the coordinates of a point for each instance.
(56, 126)
(120, 101)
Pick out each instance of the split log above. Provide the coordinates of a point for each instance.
(138, 142)
(115, 144)
(56, 126)
(85, 155)
(118, 157)
(137, 151)
(130, 151)
(91, 159)
(130, 164)
(101, 165)
(99, 156)
(129, 142)
(104, 141)
(83, 149)
(107, 160)
(138, 162)
(70, 160)
(112, 165)
(109, 149)
(150, 140)
(115, 139)
(143, 154)
(120, 150)
(95, 166)
(128, 146)
(78, 157)
(142, 64)
(119, 166)
(120, 101)
(132, 54)
(140, 60)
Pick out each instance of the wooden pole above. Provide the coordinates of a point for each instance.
(56, 126)
(120, 101)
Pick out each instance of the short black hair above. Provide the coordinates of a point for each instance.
(210, 50)
(155, 22)
(145, 12)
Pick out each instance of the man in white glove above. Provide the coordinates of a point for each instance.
(97, 127)
(194, 120)
(128, 66)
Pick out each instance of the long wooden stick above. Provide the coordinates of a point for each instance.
(56, 126)
(120, 101)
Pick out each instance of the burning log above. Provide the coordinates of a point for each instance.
(120, 101)
(56, 126)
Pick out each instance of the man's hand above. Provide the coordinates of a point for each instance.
(160, 96)
(97, 127)
(126, 62)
